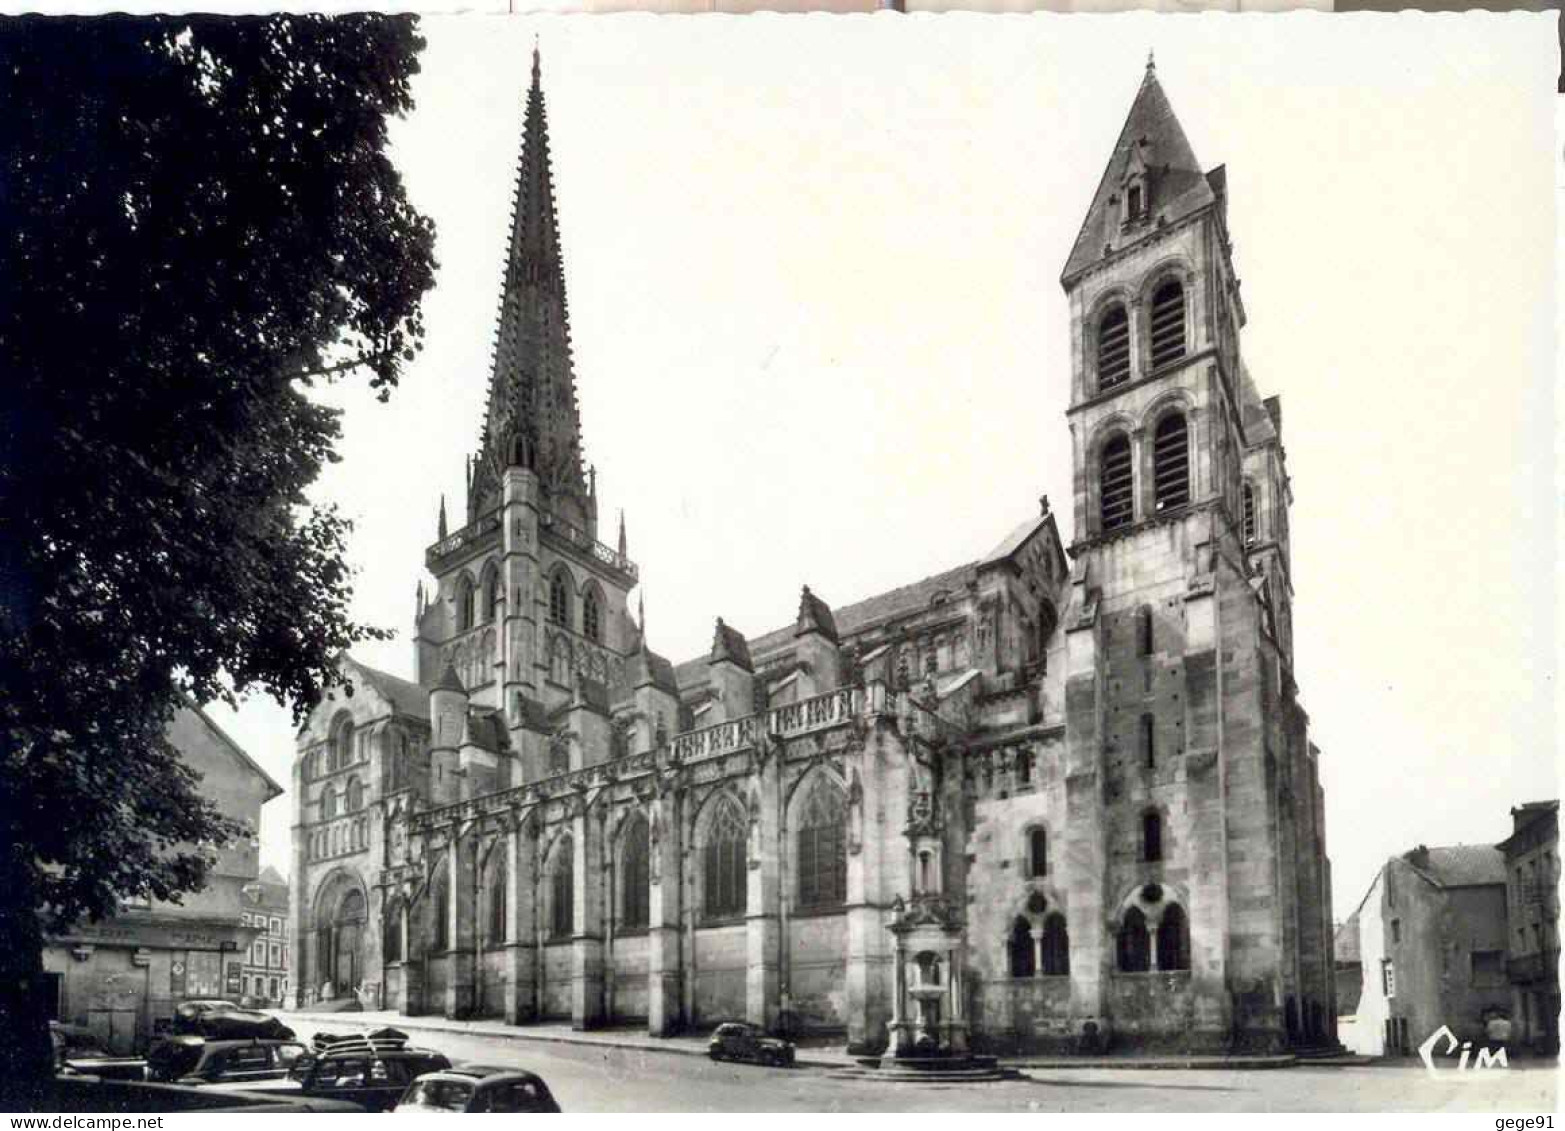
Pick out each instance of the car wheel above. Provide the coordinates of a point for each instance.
(714, 1054)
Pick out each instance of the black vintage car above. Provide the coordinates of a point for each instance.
(81, 1052)
(208, 1061)
(367, 1071)
(740, 1040)
(478, 1089)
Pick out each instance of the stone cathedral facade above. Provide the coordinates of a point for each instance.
(1072, 787)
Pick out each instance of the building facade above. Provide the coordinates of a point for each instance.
(264, 972)
(123, 976)
(1532, 866)
(1053, 798)
(1431, 950)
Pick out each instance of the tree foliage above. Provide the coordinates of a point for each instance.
(198, 219)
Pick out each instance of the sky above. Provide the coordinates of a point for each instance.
(813, 270)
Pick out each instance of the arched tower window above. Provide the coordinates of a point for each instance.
(328, 803)
(466, 603)
(1038, 853)
(355, 792)
(559, 599)
(1151, 836)
(1144, 630)
(1113, 347)
(1056, 945)
(1133, 944)
(493, 591)
(342, 744)
(1019, 944)
(1116, 496)
(1173, 940)
(591, 617)
(635, 879)
(1171, 462)
(822, 847)
(723, 863)
(1148, 738)
(1168, 323)
(1249, 515)
(562, 892)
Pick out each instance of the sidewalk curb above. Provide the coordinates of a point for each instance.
(442, 1025)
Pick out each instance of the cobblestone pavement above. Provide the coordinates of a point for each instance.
(604, 1078)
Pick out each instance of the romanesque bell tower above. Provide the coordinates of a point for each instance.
(1191, 780)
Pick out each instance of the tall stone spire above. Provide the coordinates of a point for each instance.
(532, 418)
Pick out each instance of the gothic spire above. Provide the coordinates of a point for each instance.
(532, 417)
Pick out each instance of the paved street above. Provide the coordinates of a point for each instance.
(588, 1079)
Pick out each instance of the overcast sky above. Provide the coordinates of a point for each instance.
(813, 271)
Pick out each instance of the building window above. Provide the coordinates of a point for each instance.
(328, 803)
(723, 863)
(1144, 630)
(342, 745)
(1151, 837)
(1396, 930)
(274, 988)
(1113, 347)
(1024, 767)
(1171, 462)
(441, 907)
(493, 590)
(559, 599)
(1249, 514)
(496, 881)
(1133, 943)
(355, 794)
(1116, 492)
(1038, 853)
(822, 848)
(562, 891)
(1388, 978)
(591, 617)
(1021, 949)
(1133, 203)
(1148, 740)
(1168, 323)
(391, 934)
(1173, 940)
(1056, 945)
(465, 603)
(635, 875)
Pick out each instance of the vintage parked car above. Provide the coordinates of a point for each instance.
(203, 1060)
(478, 1089)
(80, 1052)
(740, 1040)
(372, 1071)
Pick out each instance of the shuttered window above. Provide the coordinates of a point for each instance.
(1113, 348)
(1249, 515)
(1168, 324)
(1171, 462)
(1116, 490)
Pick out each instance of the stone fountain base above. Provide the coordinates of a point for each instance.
(957, 1069)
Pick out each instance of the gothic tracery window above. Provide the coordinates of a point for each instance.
(391, 935)
(591, 617)
(1133, 943)
(496, 881)
(465, 603)
(562, 892)
(1019, 946)
(635, 875)
(440, 908)
(822, 856)
(559, 599)
(1056, 945)
(723, 863)
(1173, 940)
(493, 591)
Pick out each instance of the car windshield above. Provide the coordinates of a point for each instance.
(437, 1095)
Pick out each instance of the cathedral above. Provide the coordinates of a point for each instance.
(1058, 799)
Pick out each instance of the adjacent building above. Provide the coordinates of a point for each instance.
(123, 976)
(1532, 868)
(1056, 797)
(1431, 950)
(264, 974)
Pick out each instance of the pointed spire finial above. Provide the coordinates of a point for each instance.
(441, 532)
(537, 69)
(622, 533)
(1151, 63)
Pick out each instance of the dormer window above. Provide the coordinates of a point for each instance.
(1133, 203)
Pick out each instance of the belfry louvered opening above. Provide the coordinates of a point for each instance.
(1249, 515)
(1113, 348)
(1171, 462)
(1115, 485)
(1168, 323)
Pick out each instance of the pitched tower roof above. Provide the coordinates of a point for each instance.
(532, 416)
(1153, 140)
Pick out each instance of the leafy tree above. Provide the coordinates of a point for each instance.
(198, 219)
